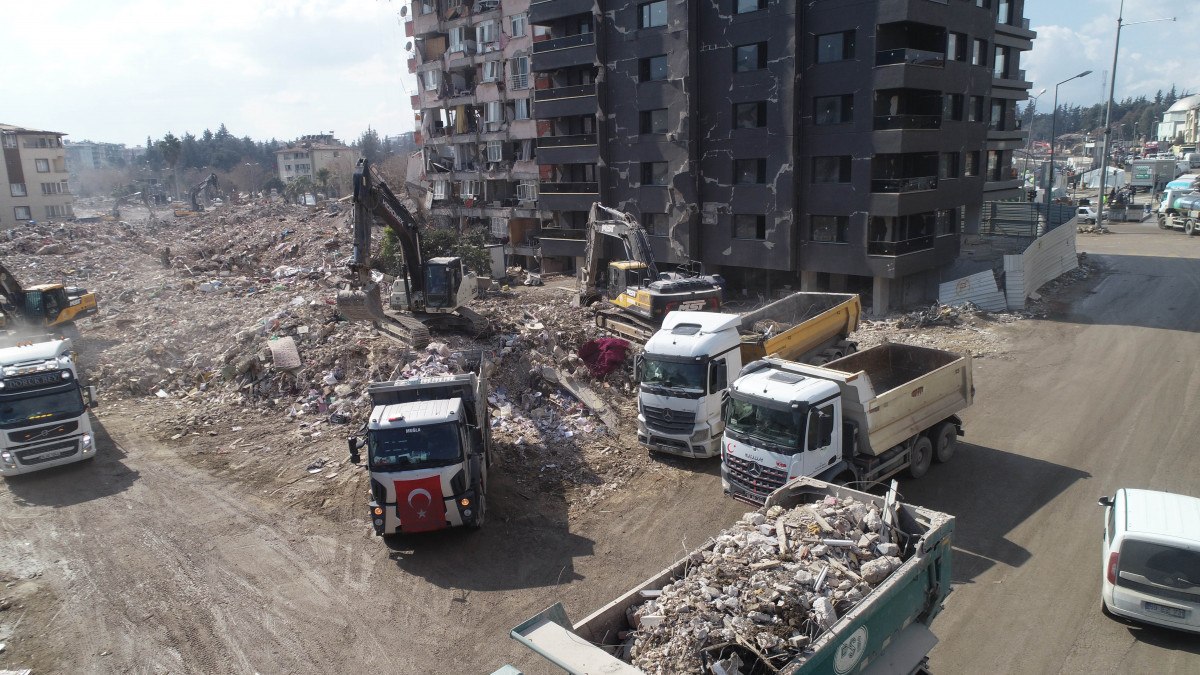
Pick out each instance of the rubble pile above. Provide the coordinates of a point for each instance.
(767, 589)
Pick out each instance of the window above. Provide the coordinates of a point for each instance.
(470, 189)
(996, 121)
(486, 32)
(652, 68)
(835, 47)
(527, 190)
(979, 53)
(829, 228)
(9, 140)
(652, 14)
(518, 73)
(430, 80)
(972, 166)
(287, 167)
(458, 36)
(948, 167)
(994, 165)
(1000, 62)
(1004, 12)
(747, 6)
(946, 221)
(816, 439)
(831, 169)
(749, 171)
(833, 109)
(17, 189)
(22, 213)
(492, 113)
(439, 189)
(519, 23)
(983, 3)
(954, 107)
(427, 6)
(750, 115)
(491, 71)
(956, 47)
(520, 109)
(43, 165)
(975, 109)
(653, 121)
(654, 173)
(746, 226)
(58, 211)
(656, 224)
(53, 188)
(495, 151)
(750, 57)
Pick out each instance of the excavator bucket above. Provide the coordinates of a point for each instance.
(362, 305)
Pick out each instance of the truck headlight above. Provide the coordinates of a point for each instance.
(7, 458)
(701, 435)
(85, 441)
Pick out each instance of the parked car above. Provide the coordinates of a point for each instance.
(1151, 561)
(1086, 214)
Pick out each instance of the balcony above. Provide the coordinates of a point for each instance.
(574, 149)
(573, 50)
(544, 11)
(568, 196)
(564, 101)
(911, 57)
(901, 185)
(894, 248)
(888, 122)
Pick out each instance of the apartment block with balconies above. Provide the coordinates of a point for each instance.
(34, 175)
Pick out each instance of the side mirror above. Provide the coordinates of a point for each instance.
(354, 444)
(639, 367)
(93, 402)
(1105, 501)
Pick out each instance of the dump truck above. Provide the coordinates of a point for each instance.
(43, 406)
(860, 419)
(429, 446)
(686, 366)
(887, 631)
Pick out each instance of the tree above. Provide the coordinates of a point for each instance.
(296, 189)
(323, 176)
(470, 246)
(369, 145)
(171, 148)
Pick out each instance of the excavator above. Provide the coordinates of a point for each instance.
(432, 292)
(194, 196)
(638, 295)
(43, 305)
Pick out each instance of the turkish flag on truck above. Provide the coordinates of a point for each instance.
(420, 505)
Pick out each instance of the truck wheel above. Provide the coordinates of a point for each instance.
(947, 442)
(1189, 227)
(481, 512)
(921, 457)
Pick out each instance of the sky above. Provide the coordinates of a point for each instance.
(121, 70)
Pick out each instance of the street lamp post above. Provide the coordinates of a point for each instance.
(1112, 83)
(1029, 132)
(1053, 133)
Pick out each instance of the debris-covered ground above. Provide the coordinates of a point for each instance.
(218, 332)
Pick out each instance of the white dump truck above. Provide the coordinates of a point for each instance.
(860, 419)
(43, 406)
(887, 631)
(685, 369)
(428, 444)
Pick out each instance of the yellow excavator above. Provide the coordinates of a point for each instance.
(43, 305)
(430, 292)
(194, 195)
(638, 295)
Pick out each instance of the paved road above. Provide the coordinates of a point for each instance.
(1100, 398)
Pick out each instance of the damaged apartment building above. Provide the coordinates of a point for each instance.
(826, 145)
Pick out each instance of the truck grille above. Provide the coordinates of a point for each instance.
(23, 436)
(47, 453)
(754, 478)
(669, 421)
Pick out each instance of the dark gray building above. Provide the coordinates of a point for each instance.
(826, 144)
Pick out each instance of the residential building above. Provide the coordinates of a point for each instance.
(310, 154)
(86, 155)
(34, 173)
(475, 129)
(1181, 118)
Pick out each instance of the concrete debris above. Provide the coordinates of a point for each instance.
(766, 590)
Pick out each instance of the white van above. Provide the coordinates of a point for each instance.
(1151, 558)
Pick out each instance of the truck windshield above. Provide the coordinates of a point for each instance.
(773, 426)
(673, 374)
(38, 407)
(1161, 565)
(414, 447)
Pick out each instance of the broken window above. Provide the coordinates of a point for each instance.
(519, 23)
(491, 71)
(749, 171)
(431, 79)
(524, 149)
(834, 169)
(652, 68)
(486, 32)
(750, 57)
(43, 165)
(654, 173)
(833, 109)
(17, 189)
(656, 224)
(972, 166)
(746, 6)
(832, 229)
(653, 121)
(949, 165)
(652, 14)
(518, 73)
(750, 115)
(835, 47)
(749, 226)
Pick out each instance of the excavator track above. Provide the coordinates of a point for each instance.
(626, 325)
(366, 305)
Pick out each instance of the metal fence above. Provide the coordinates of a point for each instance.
(1022, 219)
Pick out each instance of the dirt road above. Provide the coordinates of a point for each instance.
(145, 561)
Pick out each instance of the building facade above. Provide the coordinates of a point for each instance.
(830, 145)
(309, 155)
(34, 175)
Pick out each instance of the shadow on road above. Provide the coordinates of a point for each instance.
(525, 543)
(989, 492)
(71, 484)
(1163, 638)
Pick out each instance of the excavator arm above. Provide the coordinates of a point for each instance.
(612, 223)
(195, 193)
(374, 199)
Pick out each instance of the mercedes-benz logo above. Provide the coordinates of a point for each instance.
(754, 469)
(667, 416)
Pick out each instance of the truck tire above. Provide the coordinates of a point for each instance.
(921, 457)
(1162, 223)
(946, 442)
(1189, 227)
(481, 512)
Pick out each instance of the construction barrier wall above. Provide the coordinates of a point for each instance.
(1048, 257)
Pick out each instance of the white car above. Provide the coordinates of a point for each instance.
(1151, 558)
(1086, 214)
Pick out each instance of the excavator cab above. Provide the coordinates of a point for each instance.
(443, 278)
(46, 301)
(625, 278)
